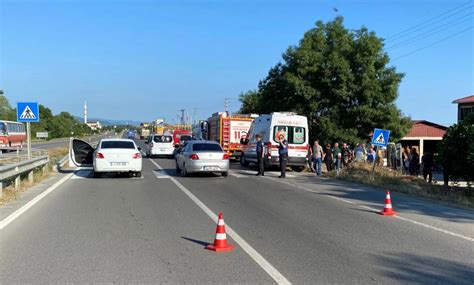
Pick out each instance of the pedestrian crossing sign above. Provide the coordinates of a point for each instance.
(27, 112)
(380, 137)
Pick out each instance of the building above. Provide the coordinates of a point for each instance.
(95, 126)
(425, 136)
(465, 106)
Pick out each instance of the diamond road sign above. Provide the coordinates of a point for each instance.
(380, 137)
(27, 112)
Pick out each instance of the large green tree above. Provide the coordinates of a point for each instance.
(340, 79)
(6, 110)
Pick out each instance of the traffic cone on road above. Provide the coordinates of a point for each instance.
(388, 209)
(220, 243)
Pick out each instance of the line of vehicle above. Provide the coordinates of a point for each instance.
(257, 257)
(13, 216)
(375, 210)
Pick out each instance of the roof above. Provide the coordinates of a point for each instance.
(422, 128)
(468, 99)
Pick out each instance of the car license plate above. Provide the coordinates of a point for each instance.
(163, 149)
(211, 168)
(118, 163)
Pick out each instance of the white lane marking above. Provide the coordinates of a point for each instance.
(434, 228)
(160, 174)
(375, 210)
(32, 202)
(236, 174)
(257, 257)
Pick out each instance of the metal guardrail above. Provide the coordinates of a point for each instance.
(14, 171)
(18, 156)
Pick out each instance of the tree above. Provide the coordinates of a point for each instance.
(339, 79)
(456, 152)
(6, 110)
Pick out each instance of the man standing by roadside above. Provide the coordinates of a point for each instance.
(346, 155)
(336, 154)
(427, 160)
(283, 153)
(328, 159)
(260, 155)
(317, 157)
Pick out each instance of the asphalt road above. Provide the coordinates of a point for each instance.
(306, 229)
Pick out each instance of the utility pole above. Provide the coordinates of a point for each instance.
(226, 104)
(194, 116)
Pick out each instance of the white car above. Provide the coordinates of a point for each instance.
(110, 155)
(202, 156)
(160, 145)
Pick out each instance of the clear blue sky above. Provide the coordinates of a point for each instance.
(143, 60)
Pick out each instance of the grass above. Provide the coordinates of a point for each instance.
(394, 181)
(9, 192)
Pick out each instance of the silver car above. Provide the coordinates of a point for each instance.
(202, 156)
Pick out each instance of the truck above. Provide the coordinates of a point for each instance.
(226, 129)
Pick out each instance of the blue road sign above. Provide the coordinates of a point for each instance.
(27, 112)
(380, 137)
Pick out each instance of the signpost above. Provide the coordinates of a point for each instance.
(379, 139)
(27, 112)
(42, 135)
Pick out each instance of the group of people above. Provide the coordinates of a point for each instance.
(411, 163)
(335, 158)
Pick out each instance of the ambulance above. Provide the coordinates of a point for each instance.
(291, 125)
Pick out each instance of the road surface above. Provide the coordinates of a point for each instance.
(303, 229)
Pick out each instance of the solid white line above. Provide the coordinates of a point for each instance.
(257, 257)
(435, 228)
(31, 203)
(375, 210)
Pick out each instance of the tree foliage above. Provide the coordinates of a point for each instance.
(339, 79)
(57, 126)
(456, 152)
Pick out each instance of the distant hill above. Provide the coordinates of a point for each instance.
(106, 122)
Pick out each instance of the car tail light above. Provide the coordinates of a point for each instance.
(225, 156)
(99, 155)
(194, 156)
(137, 155)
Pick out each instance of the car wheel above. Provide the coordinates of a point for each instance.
(225, 174)
(243, 161)
(138, 174)
(97, 174)
(178, 170)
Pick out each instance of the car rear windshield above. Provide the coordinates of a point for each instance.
(117, 144)
(206, 147)
(163, 139)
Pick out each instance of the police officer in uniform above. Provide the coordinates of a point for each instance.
(283, 153)
(260, 156)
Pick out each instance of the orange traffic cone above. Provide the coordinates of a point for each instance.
(220, 243)
(388, 210)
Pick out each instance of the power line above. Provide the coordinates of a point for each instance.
(432, 44)
(409, 30)
(430, 32)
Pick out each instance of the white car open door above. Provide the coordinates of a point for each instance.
(80, 153)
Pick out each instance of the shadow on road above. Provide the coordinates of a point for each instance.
(203, 243)
(410, 268)
(401, 202)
